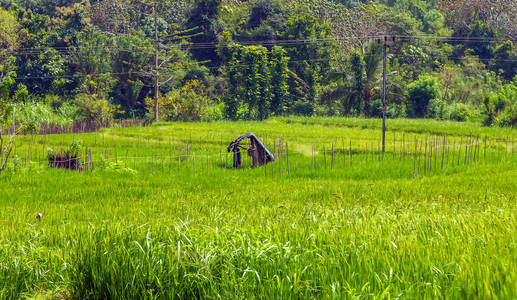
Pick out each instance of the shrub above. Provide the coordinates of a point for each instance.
(95, 110)
(501, 107)
(420, 93)
(460, 112)
(322, 111)
(436, 109)
(508, 118)
(392, 110)
(189, 104)
(302, 108)
(214, 112)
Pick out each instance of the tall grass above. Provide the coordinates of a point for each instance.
(369, 230)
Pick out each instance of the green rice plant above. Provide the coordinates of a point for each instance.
(166, 219)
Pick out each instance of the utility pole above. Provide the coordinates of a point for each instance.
(387, 41)
(384, 97)
(156, 72)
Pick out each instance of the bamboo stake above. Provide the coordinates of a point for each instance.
(425, 158)
(453, 151)
(344, 152)
(419, 156)
(312, 164)
(287, 158)
(351, 152)
(332, 159)
(414, 158)
(484, 153)
(324, 157)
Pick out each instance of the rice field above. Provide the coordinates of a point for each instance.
(158, 213)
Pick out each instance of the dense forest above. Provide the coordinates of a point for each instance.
(94, 60)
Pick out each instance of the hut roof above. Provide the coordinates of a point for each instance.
(251, 136)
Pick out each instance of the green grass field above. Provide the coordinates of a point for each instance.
(160, 216)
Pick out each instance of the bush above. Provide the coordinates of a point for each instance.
(214, 112)
(189, 104)
(501, 107)
(95, 110)
(322, 111)
(436, 109)
(508, 118)
(42, 114)
(460, 112)
(392, 110)
(302, 108)
(420, 93)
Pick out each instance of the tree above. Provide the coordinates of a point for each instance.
(505, 59)
(373, 64)
(420, 93)
(42, 68)
(255, 79)
(279, 77)
(203, 16)
(133, 52)
(93, 59)
(313, 56)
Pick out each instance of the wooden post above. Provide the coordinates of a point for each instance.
(265, 164)
(484, 153)
(366, 148)
(414, 158)
(453, 151)
(351, 153)
(324, 157)
(507, 147)
(312, 164)
(419, 156)
(403, 148)
(394, 145)
(459, 151)
(332, 159)
(287, 158)
(466, 151)
(425, 158)
(443, 149)
(359, 154)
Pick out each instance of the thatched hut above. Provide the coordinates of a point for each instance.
(259, 154)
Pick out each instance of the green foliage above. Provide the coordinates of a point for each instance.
(271, 54)
(94, 56)
(303, 108)
(43, 114)
(155, 232)
(257, 78)
(460, 112)
(420, 93)
(93, 109)
(312, 57)
(279, 78)
(436, 109)
(214, 112)
(133, 52)
(505, 60)
(8, 32)
(190, 104)
(501, 107)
